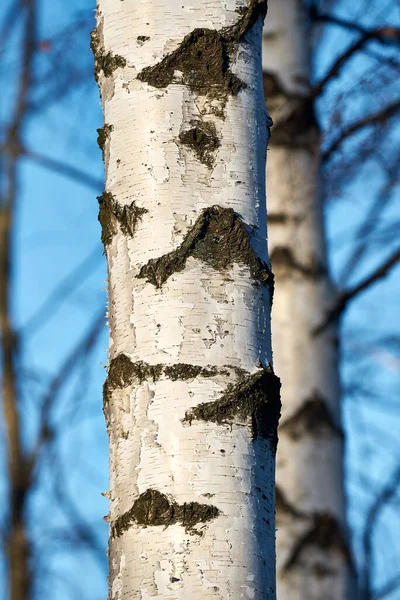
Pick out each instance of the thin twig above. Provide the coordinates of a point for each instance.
(80, 350)
(61, 292)
(77, 175)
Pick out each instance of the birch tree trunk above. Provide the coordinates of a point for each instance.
(313, 560)
(191, 400)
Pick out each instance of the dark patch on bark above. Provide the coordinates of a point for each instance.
(204, 58)
(278, 218)
(123, 372)
(141, 39)
(112, 215)
(184, 371)
(320, 570)
(156, 509)
(254, 401)
(219, 238)
(299, 126)
(271, 85)
(203, 140)
(325, 533)
(105, 62)
(103, 135)
(313, 417)
(283, 506)
(282, 258)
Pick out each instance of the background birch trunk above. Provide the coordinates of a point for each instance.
(190, 400)
(313, 559)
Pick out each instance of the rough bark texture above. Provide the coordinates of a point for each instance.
(313, 560)
(191, 401)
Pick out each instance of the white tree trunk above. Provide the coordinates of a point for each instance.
(313, 561)
(190, 400)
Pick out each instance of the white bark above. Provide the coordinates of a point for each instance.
(312, 556)
(179, 337)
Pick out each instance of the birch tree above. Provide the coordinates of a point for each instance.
(313, 558)
(191, 400)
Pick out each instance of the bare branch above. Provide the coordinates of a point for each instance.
(379, 118)
(65, 170)
(80, 350)
(61, 292)
(382, 271)
(382, 500)
(17, 544)
(347, 296)
(381, 34)
(82, 529)
(363, 233)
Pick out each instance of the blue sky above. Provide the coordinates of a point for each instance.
(56, 230)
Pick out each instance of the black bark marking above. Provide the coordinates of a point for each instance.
(324, 533)
(203, 140)
(141, 39)
(283, 506)
(299, 126)
(282, 258)
(204, 58)
(111, 214)
(312, 417)
(123, 372)
(184, 371)
(156, 509)
(105, 62)
(219, 238)
(103, 135)
(254, 401)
